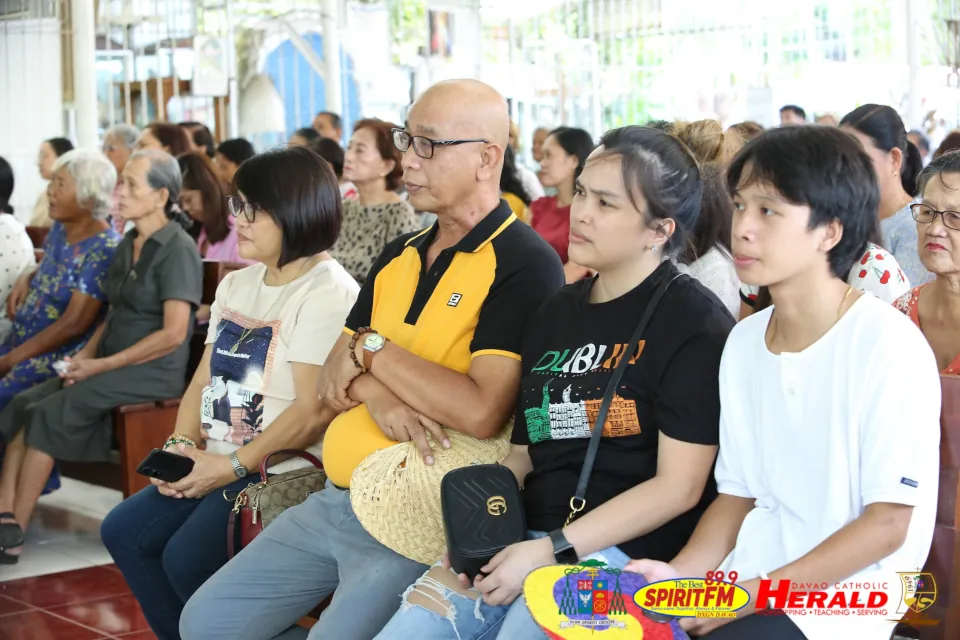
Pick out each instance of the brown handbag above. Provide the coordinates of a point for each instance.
(259, 504)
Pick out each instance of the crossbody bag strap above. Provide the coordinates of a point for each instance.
(578, 502)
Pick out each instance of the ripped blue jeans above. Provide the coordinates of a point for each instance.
(470, 618)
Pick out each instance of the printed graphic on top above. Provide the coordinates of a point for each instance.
(563, 409)
(240, 368)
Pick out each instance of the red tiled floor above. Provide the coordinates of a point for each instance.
(113, 616)
(8, 606)
(38, 625)
(71, 587)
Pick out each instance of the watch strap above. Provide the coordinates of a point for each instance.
(238, 469)
(563, 551)
(368, 355)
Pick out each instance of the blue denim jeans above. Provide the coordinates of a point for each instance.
(166, 548)
(473, 619)
(306, 554)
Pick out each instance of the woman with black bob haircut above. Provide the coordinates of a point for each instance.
(636, 200)
(255, 390)
(897, 162)
(871, 268)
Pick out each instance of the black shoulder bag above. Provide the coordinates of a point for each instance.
(481, 504)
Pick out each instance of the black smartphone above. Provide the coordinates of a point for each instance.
(165, 466)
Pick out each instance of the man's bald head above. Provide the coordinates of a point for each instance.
(462, 109)
(464, 175)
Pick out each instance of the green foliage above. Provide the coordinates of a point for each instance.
(408, 19)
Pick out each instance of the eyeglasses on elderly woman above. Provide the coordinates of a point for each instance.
(926, 214)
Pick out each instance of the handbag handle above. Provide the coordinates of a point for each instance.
(297, 453)
(578, 502)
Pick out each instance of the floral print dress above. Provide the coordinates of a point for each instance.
(65, 268)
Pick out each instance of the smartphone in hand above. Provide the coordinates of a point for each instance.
(166, 466)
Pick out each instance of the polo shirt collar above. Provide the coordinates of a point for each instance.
(163, 235)
(476, 238)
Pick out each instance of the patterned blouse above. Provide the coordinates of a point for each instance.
(65, 268)
(365, 231)
(877, 272)
(909, 305)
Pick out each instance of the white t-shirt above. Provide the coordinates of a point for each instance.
(257, 332)
(16, 255)
(814, 437)
(716, 272)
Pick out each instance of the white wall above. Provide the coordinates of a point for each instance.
(31, 102)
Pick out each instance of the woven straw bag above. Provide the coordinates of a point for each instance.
(396, 495)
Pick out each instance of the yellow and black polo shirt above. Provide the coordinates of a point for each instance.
(475, 300)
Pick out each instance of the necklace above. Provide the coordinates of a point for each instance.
(246, 332)
(773, 319)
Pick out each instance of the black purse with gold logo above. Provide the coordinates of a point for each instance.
(482, 515)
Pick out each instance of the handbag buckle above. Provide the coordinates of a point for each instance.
(575, 509)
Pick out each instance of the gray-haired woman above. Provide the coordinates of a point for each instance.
(139, 353)
(56, 306)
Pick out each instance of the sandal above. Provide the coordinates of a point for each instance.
(8, 558)
(11, 533)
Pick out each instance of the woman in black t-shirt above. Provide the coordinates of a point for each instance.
(635, 203)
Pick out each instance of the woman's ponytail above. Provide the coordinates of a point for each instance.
(912, 166)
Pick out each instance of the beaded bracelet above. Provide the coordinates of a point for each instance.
(353, 346)
(180, 439)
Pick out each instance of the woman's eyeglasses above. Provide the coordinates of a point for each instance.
(238, 206)
(424, 147)
(926, 214)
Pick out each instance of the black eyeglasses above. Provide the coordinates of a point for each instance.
(238, 206)
(424, 147)
(926, 214)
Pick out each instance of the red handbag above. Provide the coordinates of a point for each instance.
(260, 503)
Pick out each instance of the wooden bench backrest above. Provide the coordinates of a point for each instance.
(944, 559)
(213, 273)
(37, 236)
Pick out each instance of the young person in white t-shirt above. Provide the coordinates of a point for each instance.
(272, 326)
(826, 473)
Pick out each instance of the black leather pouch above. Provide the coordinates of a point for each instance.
(482, 515)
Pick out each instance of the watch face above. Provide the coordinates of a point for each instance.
(374, 342)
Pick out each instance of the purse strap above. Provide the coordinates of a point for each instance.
(297, 453)
(578, 502)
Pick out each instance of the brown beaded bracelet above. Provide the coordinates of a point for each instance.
(353, 346)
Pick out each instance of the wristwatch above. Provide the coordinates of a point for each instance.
(563, 551)
(238, 469)
(373, 343)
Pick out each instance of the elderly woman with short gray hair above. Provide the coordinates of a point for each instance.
(56, 306)
(138, 354)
